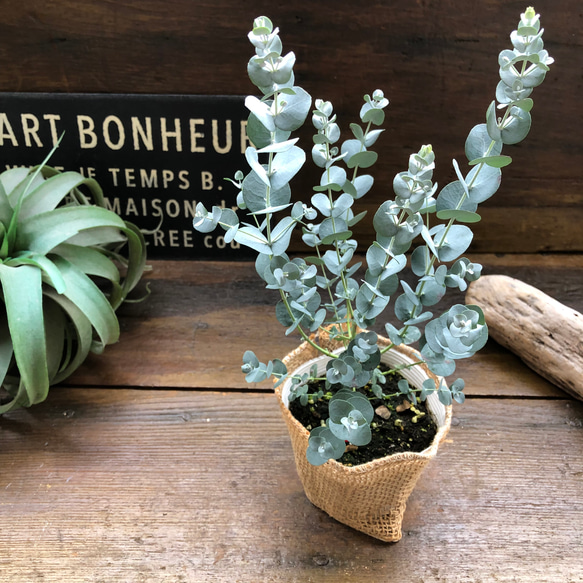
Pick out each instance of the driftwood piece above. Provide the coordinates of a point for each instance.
(544, 333)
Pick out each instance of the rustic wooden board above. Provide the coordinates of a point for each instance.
(437, 64)
(201, 316)
(168, 486)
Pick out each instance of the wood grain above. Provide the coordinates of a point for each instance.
(104, 483)
(201, 316)
(436, 63)
(168, 486)
(544, 333)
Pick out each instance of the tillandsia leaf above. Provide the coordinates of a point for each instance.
(22, 292)
(55, 327)
(50, 271)
(12, 179)
(31, 179)
(79, 334)
(90, 261)
(98, 236)
(53, 217)
(5, 207)
(6, 349)
(19, 399)
(49, 194)
(85, 294)
(136, 260)
(41, 233)
(16, 198)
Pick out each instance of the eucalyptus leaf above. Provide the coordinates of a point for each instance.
(363, 184)
(324, 297)
(494, 161)
(461, 216)
(362, 160)
(479, 143)
(291, 116)
(453, 198)
(516, 127)
(261, 111)
(451, 243)
(285, 166)
(483, 182)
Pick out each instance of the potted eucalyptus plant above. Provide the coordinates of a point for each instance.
(344, 379)
(66, 264)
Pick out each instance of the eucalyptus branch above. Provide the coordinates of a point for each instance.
(405, 232)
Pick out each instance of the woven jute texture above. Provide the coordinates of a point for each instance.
(369, 497)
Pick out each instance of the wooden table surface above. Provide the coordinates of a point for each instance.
(156, 463)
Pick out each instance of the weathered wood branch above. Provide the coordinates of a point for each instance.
(544, 333)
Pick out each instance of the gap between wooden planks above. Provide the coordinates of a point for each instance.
(201, 316)
(157, 486)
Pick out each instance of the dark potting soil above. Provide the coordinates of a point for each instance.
(397, 426)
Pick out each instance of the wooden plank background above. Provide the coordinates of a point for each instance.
(437, 62)
(132, 486)
(194, 480)
(192, 330)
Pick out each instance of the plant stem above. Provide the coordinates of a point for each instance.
(301, 331)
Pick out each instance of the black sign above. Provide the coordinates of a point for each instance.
(155, 156)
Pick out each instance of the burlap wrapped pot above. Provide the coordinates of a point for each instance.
(369, 497)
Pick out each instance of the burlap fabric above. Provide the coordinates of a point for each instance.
(369, 497)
